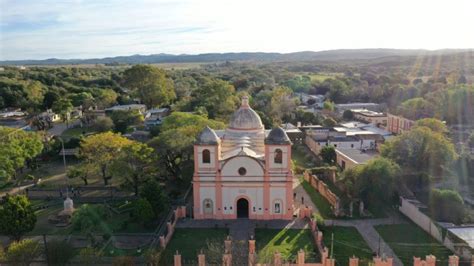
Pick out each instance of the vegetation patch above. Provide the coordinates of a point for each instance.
(408, 240)
(287, 241)
(347, 242)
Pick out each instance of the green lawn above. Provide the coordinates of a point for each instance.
(347, 243)
(76, 132)
(287, 241)
(189, 242)
(408, 240)
(321, 203)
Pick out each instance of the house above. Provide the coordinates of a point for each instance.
(243, 171)
(312, 100)
(349, 158)
(294, 133)
(14, 118)
(154, 117)
(50, 116)
(349, 106)
(371, 117)
(398, 124)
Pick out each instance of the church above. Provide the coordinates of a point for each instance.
(243, 171)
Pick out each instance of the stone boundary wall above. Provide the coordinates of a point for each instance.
(179, 213)
(323, 189)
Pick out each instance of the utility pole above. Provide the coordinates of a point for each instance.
(45, 249)
(332, 245)
(378, 253)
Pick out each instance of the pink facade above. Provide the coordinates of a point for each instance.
(243, 171)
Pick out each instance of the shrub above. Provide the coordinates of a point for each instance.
(155, 195)
(59, 252)
(103, 124)
(89, 256)
(447, 205)
(143, 211)
(23, 252)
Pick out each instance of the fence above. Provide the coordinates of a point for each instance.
(323, 189)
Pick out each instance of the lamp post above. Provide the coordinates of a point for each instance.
(65, 167)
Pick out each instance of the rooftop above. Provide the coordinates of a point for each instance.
(464, 233)
(366, 112)
(358, 156)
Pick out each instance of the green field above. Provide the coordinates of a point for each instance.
(347, 243)
(189, 241)
(408, 240)
(287, 241)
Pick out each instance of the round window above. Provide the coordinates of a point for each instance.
(242, 171)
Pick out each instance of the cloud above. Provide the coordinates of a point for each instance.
(97, 28)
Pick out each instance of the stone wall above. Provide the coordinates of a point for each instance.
(323, 189)
(179, 213)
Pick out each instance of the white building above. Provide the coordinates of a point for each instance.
(243, 171)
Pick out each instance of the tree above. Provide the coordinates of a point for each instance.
(447, 206)
(154, 194)
(81, 171)
(338, 91)
(134, 163)
(88, 219)
(103, 124)
(123, 119)
(217, 96)
(348, 115)
(23, 252)
(328, 105)
(106, 98)
(143, 211)
(174, 144)
(17, 217)
(470, 141)
(17, 148)
(434, 124)
(374, 181)
(328, 153)
(420, 150)
(63, 107)
(49, 99)
(100, 150)
(282, 103)
(59, 252)
(416, 108)
(150, 84)
(329, 122)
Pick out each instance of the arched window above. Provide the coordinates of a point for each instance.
(278, 156)
(206, 156)
(207, 206)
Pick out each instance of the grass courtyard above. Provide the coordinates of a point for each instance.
(321, 203)
(347, 243)
(408, 240)
(189, 242)
(287, 241)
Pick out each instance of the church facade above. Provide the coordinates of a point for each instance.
(243, 171)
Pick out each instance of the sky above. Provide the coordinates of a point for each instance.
(40, 29)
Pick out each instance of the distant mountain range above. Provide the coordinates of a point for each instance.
(330, 55)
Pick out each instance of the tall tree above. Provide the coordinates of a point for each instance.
(23, 252)
(217, 96)
(134, 164)
(63, 107)
(150, 84)
(17, 217)
(328, 153)
(100, 150)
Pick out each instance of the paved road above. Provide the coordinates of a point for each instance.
(59, 128)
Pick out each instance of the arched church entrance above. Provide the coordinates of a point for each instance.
(242, 208)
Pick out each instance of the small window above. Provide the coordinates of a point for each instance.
(206, 156)
(242, 171)
(277, 207)
(352, 145)
(278, 156)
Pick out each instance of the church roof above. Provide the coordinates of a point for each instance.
(208, 136)
(277, 136)
(245, 118)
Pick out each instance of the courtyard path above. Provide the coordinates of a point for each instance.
(301, 194)
(370, 235)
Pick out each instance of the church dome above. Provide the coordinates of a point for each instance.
(208, 136)
(245, 118)
(277, 136)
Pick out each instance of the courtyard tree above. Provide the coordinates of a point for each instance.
(63, 107)
(434, 124)
(81, 171)
(122, 119)
(134, 164)
(447, 206)
(143, 212)
(23, 253)
(17, 217)
(329, 122)
(421, 150)
(88, 219)
(328, 153)
(150, 84)
(155, 195)
(100, 150)
(59, 252)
